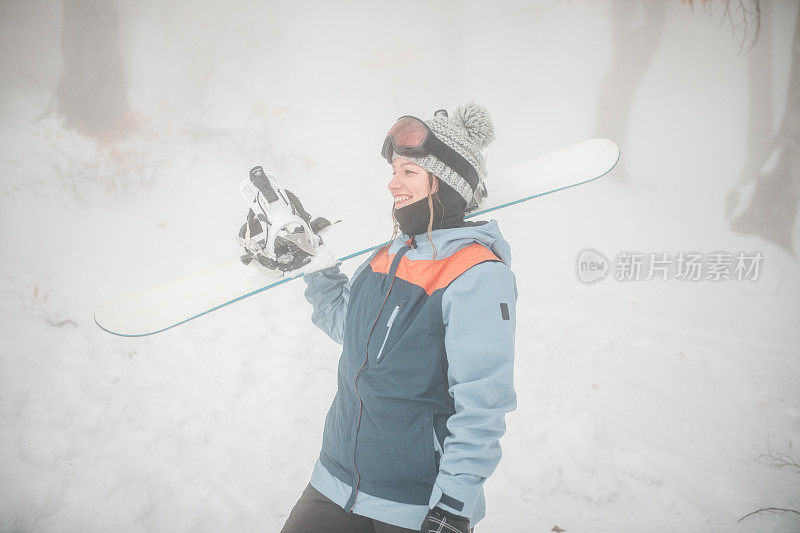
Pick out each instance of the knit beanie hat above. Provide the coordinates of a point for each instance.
(468, 132)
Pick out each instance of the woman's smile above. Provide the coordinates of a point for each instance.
(401, 200)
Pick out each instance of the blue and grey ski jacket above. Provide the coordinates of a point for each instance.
(425, 376)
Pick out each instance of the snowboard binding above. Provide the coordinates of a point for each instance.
(279, 236)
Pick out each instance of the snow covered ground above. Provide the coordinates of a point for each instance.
(643, 405)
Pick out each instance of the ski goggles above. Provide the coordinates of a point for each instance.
(411, 137)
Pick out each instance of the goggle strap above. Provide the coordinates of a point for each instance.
(456, 161)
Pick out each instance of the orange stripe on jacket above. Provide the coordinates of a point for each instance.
(432, 275)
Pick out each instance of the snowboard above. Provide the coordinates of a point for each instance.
(140, 313)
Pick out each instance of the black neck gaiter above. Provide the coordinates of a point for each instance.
(448, 212)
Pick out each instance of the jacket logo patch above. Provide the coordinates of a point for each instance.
(504, 311)
(452, 502)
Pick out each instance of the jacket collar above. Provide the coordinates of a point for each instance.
(447, 241)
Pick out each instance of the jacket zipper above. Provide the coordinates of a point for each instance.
(436, 446)
(389, 329)
(399, 254)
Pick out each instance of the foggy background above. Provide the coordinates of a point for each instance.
(126, 127)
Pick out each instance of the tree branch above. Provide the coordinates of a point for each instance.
(770, 510)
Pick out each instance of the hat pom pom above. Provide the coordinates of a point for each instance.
(477, 122)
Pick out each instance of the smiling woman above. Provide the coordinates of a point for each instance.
(417, 204)
(427, 330)
(410, 182)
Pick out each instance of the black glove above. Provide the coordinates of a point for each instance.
(438, 520)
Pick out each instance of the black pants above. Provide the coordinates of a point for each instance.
(314, 513)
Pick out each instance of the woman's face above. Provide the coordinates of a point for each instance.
(409, 182)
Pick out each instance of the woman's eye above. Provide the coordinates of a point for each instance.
(410, 172)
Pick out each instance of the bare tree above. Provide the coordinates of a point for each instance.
(92, 91)
(760, 124)
(767, 205)
(742, 15)
(636, 29)
(772, 208)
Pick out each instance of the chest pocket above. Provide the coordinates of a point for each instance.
(389, 325)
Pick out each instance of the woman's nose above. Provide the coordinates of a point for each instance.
(394, 183)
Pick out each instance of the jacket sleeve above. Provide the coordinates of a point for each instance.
(479, 313)
(328, 291)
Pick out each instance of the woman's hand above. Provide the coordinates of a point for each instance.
(438, 520)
